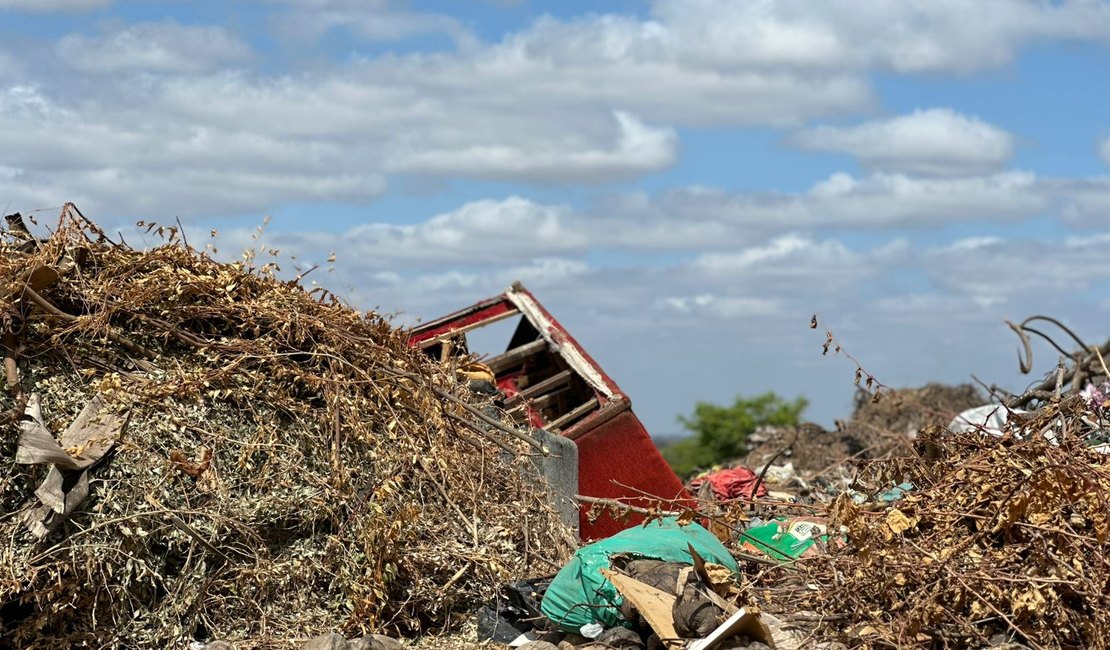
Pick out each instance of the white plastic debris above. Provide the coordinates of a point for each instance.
(989, 418)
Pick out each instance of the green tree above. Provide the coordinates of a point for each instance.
(720, 433)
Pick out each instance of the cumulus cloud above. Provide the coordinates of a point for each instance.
(698, 217)
(374, 20)
(152, 47)
(639, 148)
(46, 6)
(911, 36)
(997, 271)
(720, 227)
(477, 234)
(135, 163)
(937, 141)
(594, 98)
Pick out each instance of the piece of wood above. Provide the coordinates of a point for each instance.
(541, 402)
(742, 622)
(517, 355)
(653, 604)
(572, 415)
(540, 388)
(11, 368)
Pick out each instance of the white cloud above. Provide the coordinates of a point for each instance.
(786, 264)
(937, 141)
(721, 306)
(374, 20)
(1104, 150)
(483, 233)
(693, 217)
(45, 6)
(138, 164)
(1085, 202)
(153, 47)
(507, 230)
(723, 228)
(908, 36)
(1001, 271)
(537, 106)
(639, 148)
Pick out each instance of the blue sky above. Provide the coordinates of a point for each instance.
(683, 182)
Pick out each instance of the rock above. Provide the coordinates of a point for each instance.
(329, 641)
(374, 642)
(538, 645)
(566, 645)
(621, 638)
(219, 645)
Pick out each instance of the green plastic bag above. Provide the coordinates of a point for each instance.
(785, 539)
(580, 595)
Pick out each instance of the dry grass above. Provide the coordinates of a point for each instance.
(345, 487)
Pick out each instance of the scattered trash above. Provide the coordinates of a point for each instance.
(787, 539)
(733, 483)
(240, 457)
(989, 419)
(580, 594)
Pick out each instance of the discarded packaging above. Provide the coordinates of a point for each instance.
(580, 594)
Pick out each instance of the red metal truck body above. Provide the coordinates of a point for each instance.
(549, 381)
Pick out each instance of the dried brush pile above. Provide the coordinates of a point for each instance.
(285, 464)
(1002, 536)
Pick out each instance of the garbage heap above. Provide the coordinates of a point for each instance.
(876, 428)
(197, 449)
(988, 531)
(1002, 537)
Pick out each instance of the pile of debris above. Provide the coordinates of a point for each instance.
(989, 529)
(876, 428)
(999, 535)
(208, 451)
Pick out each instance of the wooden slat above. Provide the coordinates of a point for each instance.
(573, 415)
(503, 362)
(542, 387)
(539, 403)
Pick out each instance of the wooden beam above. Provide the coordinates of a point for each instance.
(572, 415)
(503, 362)
(542, 387)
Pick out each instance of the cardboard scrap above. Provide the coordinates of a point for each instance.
(656, 606)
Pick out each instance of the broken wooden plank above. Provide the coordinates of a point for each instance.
(655, 605)
(542, 387)
(517, 355)
(742, 622)
(572, 415)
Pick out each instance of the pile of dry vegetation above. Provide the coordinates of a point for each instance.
(262, 463)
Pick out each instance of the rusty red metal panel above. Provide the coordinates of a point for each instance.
(618, 460)
(487, 310)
